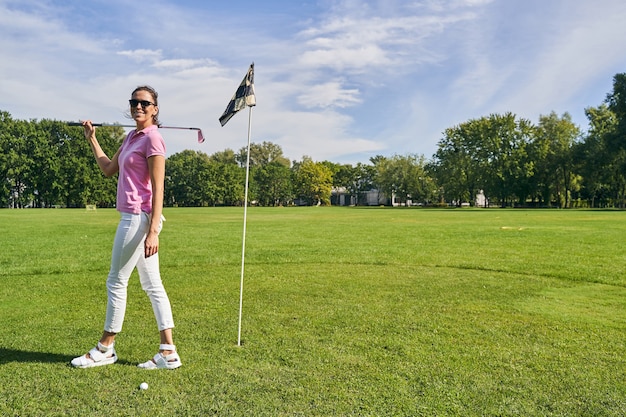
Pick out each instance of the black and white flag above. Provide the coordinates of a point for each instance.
(244, 96)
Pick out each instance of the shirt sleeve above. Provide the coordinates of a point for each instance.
(155, 144)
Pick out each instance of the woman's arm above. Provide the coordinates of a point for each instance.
(108, 166)
(156, 167)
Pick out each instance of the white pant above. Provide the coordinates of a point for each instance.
(128, 253)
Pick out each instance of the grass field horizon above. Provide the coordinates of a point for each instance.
(347, 311)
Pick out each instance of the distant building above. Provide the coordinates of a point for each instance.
(481, 200)
(341, 197)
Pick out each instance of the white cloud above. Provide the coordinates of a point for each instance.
(183, 64)
(342, 59)
(347, 43)
(321, 135)
(533, 73)
(142, 55)
(329, 94)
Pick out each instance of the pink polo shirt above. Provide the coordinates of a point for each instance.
(134, 188)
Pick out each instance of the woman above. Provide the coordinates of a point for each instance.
(140, 162)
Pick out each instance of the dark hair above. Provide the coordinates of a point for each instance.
(155, 100)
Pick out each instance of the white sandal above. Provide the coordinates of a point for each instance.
(98, 356)
(161, 361)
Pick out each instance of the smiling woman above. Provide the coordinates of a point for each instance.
(140, 161)
(144, 107)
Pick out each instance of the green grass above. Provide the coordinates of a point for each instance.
(347, 311)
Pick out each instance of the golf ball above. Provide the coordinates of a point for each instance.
(143, 385)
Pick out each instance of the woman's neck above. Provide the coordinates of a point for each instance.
(143, 125)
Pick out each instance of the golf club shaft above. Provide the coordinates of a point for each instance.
(200, 135)
(97, 124)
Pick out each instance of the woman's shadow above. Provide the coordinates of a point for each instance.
(23, 356)
(13, 355)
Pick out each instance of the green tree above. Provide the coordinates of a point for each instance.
(555, 137)
(403, 178)
(226, 156)
(489, 154)
(273, 184)
(268, 166)
(5, 133)
(262, 154)
(340, 174)
(44, 150)
(617, 104)
(616, 140)
(456, 164)
(47, 163)
(312, 181)
(15, 163)
(505, 164)
(355, 180)
(595, 160)
(361, 181)
(229, 180)
(188, 180)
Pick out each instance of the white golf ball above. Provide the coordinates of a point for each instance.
(143, 385)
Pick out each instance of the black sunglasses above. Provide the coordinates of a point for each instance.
(144, 103)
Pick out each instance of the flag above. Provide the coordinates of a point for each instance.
(244, 96)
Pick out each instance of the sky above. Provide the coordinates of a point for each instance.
(336, 80)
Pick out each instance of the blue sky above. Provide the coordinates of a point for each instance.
(338, 80)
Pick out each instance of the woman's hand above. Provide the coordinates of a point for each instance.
(90, 130)
(151, 244)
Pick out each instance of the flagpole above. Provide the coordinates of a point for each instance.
(244, 96)
(245, 217)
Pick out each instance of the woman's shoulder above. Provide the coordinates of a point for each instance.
(154, 141)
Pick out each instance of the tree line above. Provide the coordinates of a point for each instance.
(553, 163)
(509, 161)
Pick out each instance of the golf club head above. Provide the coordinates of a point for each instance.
(200, 136)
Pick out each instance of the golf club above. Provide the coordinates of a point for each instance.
(200, 135)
